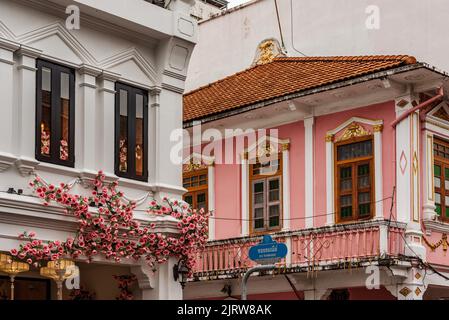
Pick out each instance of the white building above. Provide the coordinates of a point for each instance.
(319, 28)
(204, 9)
(138, 47)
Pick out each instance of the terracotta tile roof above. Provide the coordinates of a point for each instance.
(280, 77)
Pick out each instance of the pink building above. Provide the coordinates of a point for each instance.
(355, 180)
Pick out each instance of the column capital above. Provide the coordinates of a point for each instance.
(107, 81)
(109, 76)
(86, 69)
(27, 58)
(155, 91)
(378, 128)
(30, 52)
(309, 120)
(88, 75)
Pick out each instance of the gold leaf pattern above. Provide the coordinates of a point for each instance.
(405, 291)
(354, 130)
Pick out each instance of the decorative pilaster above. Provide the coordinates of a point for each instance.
(378, 191)
(407, 175)
(88, 121)
(428, 179)
(245, 201)
(309, 172)
(154, 115)
(211, 200)
(7, 141)
(413, 287)
(330, 217)
(286, 186)
(106, 131)
(26, 109)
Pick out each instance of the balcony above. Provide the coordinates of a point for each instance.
(326, 248)
(150, 19)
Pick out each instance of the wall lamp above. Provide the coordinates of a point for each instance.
(180, 273)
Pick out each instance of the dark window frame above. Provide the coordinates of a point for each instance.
(131, 156)
(56, 71)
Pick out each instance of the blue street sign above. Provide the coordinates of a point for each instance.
(268, 251)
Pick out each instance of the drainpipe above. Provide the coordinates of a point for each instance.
(440, 95)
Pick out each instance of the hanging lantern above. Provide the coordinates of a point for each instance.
(59, 270)
(12, 268)
(5, 258)
(61, 264)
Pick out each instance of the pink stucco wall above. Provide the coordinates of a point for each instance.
(437, 256)
(227, 201)
(384, 111)
(228, 186)
(228, 176)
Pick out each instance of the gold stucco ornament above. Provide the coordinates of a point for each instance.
(354, 130)
(267, 51)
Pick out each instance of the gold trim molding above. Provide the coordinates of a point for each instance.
(268, 150)
(443, 241)
(378, 128)
(329, 137)
(354, 130)
(190, 167)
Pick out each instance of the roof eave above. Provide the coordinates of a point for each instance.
(303, 93)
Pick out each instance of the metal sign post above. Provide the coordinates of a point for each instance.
(267, 253)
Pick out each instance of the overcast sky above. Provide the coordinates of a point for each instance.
(233, 3)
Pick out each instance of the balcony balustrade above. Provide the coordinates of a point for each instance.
(339, 246)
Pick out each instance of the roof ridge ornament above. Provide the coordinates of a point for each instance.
(267, 51)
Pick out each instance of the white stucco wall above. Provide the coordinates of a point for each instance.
(203, 10)
(321, 27)
(132, 42)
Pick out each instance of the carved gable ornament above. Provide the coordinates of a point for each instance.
(354, 130)
(267, 147)
(197, 162)
(441, 112)
(266, 51)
